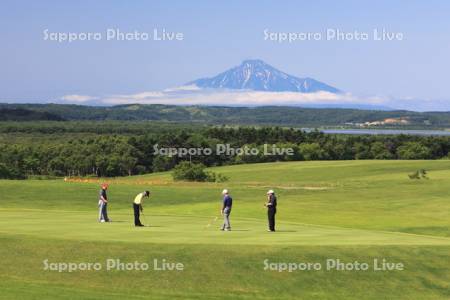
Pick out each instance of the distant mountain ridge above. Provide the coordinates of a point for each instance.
(216, 115)
(255, 74)
(23, 115)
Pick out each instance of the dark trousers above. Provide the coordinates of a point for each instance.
(103, 212)
(137, 213)
(271, 216)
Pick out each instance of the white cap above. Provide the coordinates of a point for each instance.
(270, 192)
(225, 191)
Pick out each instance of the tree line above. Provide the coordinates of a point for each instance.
(105, 155)
(267, 116)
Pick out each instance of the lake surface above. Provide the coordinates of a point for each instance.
(384, 132)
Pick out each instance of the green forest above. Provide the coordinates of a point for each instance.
(268, 116)
(107, 149)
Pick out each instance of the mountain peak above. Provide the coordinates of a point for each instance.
(254, 62)
(255, 74)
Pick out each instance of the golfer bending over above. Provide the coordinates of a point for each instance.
(271, 209)
(102, 205)
(137, 207)
(226, 210)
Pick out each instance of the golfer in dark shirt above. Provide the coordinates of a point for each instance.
(226, 210)
(103, 205)
(271, 209)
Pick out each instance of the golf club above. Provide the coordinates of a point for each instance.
(212, 222)
(145, 219)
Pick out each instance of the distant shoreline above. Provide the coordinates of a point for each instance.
(382, 132)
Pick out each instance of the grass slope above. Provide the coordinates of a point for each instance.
(349, 210)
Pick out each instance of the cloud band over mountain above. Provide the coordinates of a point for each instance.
(256, 83)
(234, 98)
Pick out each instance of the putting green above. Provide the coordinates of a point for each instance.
(172, 229)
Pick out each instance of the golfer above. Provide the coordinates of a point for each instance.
(103, 205)
(137, 207)
(226, 210)
(271, 209)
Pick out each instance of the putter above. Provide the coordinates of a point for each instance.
(145, 219)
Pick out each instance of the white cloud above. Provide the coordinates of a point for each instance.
(78, 98)
(191, 87)
(192, 95)
(239, 98)
(139, 96)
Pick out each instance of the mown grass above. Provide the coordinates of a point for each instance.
(353, 211)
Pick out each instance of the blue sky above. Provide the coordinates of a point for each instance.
(217, 36)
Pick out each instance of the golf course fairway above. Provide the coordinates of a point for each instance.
(348, 211)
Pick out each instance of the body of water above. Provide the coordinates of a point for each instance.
(384, 132)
